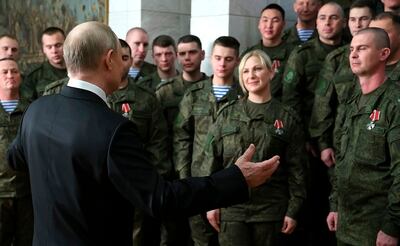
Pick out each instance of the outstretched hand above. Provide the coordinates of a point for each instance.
(256, 173)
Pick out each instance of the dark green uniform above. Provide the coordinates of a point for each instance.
(170, 94)
(274, 129)
(197, 112)
(145, 70)
(16, 212)
(55, 87)
(291, 36)
(366, 193)
(37, 80)
(279, 56)
(393, 71)
(145, 111)
(300, 78)
(152, 81)
(334, 86)
(301, 75)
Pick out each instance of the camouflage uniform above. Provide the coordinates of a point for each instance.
(239, 124)
(197, 112)
(145, 70)
(170, 94)
(300, 78)
(393, 71)
(16, 212)
(152, 81)
(55, 87)
(301, 75)
(36, 81)
(367, 171)
(145, 111)
(291, 36)
(279, 56)
(334, 86)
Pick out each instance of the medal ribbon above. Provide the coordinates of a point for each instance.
(126, 108)
(375, 115)
(278, 124)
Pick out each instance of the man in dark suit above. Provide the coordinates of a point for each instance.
(87, 168)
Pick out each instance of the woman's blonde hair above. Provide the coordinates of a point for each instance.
(261, 55)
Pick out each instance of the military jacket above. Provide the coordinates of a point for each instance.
(55, 87)
(279, 55)
(292, 37)
(197, 111)
(152, 81)
(36, 81)
(145, 70)
(140, 106)
(366, 184)
(170, 94)
(335, 85)
(12, 183)
(301, 75)
(393, 71)
(276, 132)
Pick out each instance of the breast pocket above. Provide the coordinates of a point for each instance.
(231, 141)
(202, 118)
(371, 146)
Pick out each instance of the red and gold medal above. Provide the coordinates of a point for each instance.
(374, 116)
(125, 109)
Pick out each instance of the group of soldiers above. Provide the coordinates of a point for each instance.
(321, 94)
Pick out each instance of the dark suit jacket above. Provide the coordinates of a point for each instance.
(88, 171)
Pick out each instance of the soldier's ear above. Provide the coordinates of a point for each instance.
(385, 53)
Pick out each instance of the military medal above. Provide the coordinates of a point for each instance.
(125, 109)
(374, 116)
(278, 127)
(275, 65)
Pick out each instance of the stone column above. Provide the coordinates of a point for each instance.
(237, 18)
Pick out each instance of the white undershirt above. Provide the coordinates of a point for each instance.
(81, 84)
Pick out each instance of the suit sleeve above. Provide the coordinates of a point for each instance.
(138, 182)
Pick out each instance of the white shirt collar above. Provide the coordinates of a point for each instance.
(84, 85)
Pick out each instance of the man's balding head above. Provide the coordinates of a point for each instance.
(86, 44)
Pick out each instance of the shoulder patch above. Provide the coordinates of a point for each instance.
(289, 76)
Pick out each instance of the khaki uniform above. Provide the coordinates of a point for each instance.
(367, 172)
(274, 129)
(197, 112)
(279, 56)
(37, 80)
(16, 212)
